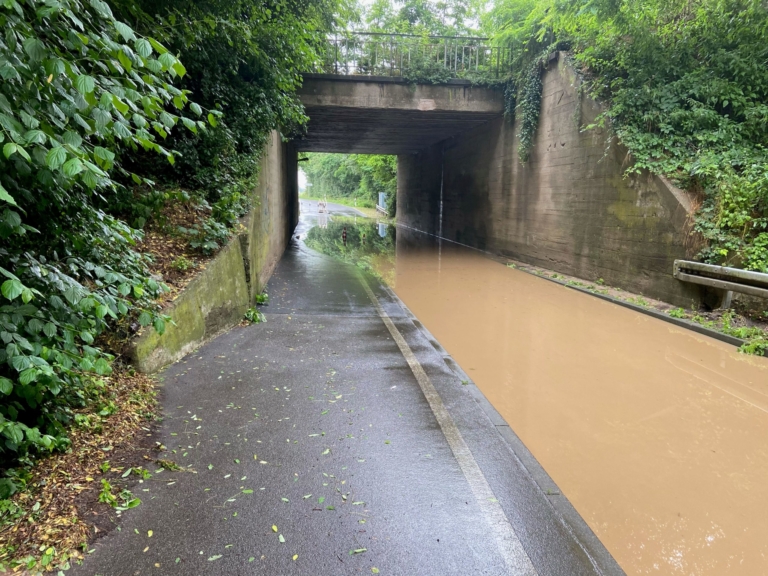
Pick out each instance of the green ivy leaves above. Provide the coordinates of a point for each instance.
(685, 91)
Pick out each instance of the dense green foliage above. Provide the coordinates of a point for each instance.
(98, 119)
(419, 57)
(77, 86)
(360, 176)
(421, 17)
(686, 85)
(244, 59)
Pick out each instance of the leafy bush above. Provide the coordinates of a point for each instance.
(182, 264)
(425, 65)
(208, 236)
(78, 87)
(244, 58)
(677, 313)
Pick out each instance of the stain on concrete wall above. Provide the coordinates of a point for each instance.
(219, 296)
(569, 208)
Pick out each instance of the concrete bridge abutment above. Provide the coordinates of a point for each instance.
(570, 208)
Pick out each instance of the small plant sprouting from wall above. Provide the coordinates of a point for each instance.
(254, 316)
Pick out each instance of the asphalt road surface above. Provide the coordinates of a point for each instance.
(339, 438)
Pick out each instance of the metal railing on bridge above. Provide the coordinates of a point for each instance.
(413, 57)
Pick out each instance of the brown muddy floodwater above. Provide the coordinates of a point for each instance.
(657, 435)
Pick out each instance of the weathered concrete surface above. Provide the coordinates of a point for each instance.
(274, 215)
(220, 295)
(365, 116)
(314, 423)
(569, 208)
(216, 299)
(418, 188)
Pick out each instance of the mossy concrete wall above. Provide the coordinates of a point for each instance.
(569, 208)
(220, 295)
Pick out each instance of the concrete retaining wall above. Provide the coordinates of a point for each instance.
(274, 215)
(219, 296)
(569, 208)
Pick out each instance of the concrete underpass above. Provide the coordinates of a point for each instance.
(343, 437)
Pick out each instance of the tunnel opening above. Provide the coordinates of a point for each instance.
(364, 181)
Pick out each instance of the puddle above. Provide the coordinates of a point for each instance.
(370, 245)
(657, 435)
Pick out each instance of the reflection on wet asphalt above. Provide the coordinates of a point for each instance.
(656, 434)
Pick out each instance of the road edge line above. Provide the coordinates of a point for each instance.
(510, 547)
(602, 560)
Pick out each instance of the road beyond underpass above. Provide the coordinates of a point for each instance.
(339, 438)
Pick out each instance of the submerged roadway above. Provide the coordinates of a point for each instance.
(339, 438)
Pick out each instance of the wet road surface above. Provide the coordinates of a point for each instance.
(656, 434)
(308, 446)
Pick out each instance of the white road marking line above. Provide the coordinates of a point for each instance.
(510, 548)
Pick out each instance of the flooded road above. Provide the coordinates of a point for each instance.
(656, 434)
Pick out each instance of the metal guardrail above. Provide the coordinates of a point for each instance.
(723, 277)
(397, 55)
